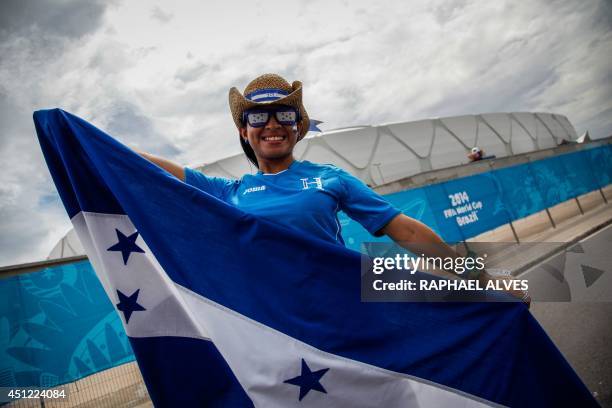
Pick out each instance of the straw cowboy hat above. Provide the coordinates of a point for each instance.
(266, 90)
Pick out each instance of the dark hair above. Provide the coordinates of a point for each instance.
(248, 151)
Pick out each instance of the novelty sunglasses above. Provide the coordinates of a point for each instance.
(285, 115)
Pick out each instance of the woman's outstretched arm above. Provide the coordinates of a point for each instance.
(419, 238)
(171, 167)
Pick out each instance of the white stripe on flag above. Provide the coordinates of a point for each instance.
(263, 359)
(166, 312)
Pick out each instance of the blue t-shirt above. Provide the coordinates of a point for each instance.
(306, 196)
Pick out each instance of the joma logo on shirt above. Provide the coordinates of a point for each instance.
(252, 189)
(317, 183)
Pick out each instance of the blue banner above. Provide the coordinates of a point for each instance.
(57, 326)
(600, 161)
(466, 207)
(519, 191)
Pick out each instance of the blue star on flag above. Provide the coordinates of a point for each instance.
(126, 244)
(128, 304)
(308, 380)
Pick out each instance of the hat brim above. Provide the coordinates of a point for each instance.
(238, 104)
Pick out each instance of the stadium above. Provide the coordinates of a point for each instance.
(536, 181)
(394, 157)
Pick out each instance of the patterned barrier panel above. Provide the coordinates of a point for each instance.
(551, 181)
(57, 325)
(600, 160)
(465, 207)
(579, 173)
(519, 191)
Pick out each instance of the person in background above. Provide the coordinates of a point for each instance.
(475, 154)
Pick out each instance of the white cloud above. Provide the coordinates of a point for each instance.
(163, 87)
(160, 15)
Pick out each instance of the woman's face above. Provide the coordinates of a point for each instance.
(272, 141)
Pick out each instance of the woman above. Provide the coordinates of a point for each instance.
(271, 119)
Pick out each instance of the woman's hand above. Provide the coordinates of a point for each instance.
(485, 277)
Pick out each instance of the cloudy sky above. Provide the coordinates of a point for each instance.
(156, 75)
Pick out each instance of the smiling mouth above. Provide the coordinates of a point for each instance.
(273, 138)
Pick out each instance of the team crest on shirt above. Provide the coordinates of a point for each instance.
(312, 182)
(253, 189)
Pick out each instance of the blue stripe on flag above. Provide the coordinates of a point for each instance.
(187, 373)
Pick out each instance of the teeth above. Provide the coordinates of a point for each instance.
(273, 138)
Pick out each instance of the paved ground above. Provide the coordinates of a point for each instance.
(580, 278)
(581, 326)
(583, 333)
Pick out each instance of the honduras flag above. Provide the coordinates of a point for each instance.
(225, 309)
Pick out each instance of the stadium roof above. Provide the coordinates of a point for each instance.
(384, 153)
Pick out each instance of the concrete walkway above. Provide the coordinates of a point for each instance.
(582, 327)
(580, 323)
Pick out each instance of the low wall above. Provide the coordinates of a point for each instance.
(464, 207)
(57, 325)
